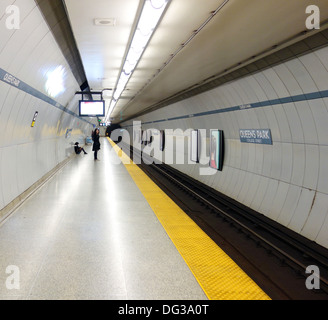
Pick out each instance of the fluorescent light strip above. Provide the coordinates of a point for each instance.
(149, 18)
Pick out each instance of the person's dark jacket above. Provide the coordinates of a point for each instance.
(77, 149)
(96, 143)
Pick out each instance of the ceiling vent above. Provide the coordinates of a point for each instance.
(110, 22)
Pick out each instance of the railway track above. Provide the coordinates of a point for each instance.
(274, 256)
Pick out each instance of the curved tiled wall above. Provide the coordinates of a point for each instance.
(286, 181)
(28, 57)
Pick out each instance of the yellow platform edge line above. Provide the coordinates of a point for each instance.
(216, 273)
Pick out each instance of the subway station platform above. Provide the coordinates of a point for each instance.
(93, 232)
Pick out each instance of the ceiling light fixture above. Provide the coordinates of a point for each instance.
(150, 16)
(111, 22)
(183, 45)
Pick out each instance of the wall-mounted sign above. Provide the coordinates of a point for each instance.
(195, 139)
(161, 140)
(34, 118)
(260, 136)
(68, 133)
(216, 149)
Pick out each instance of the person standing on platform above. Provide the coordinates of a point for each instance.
(96, 143)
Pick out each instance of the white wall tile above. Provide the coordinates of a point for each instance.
(2, 201)
(298, 168)
(259, 159)
(267, 203)
(290, 205)
(276, 83)
(316, 217)
(305, 83)
(278, 200)
(316, 70)
(304, 112)
(267, 160)
(251, 157)
(287, 162)
(251, 190)
(312, 163)
(259, 193)
(323, 170)
(320, 115)
(294, 123)
(232, 184)
(9, 186)
(287, 78)
(273, 125)
(239, 183)
(246, 95)
(284, 129)
(322, 237)
(323, 56)
(302, 210)
(268, 91)
(244, 186)
(24, 162)
(275, 164)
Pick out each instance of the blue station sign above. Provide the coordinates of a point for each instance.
(260, 136)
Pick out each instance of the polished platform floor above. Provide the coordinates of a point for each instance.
(89, 233)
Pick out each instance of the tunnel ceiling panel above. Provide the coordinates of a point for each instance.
(189, 45)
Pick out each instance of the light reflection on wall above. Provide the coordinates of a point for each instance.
(55, 82)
